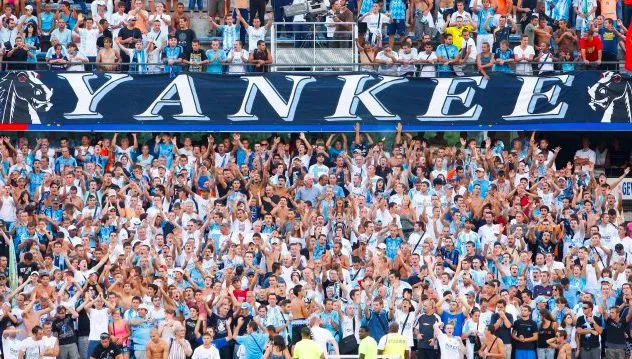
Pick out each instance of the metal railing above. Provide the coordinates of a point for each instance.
(313, 46)
(331, 67)
(333, 356)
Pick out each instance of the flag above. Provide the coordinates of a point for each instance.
(13, 266)
(628, 51)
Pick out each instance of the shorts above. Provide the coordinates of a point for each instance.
(397, 26)
(524, 354)
(216, 8)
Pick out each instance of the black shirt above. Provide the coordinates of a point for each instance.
(184, 39)
(219, 325)
(503, 333)
(18, 55)
(426, 329)
(588, 341)
(615, 331)
(189, 326)
(126, 33)
(107, 33)
(65, 330)
(25, 270)
(526, 328)
(195, 56)
(105, 353)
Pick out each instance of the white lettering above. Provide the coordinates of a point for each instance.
(531, 94)
(87, 98)
(352, 93)
(445, 93)
(284, 109)
(183, 86)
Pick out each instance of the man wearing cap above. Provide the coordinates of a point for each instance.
(141, 327)
(481, 181)
(127, 37)
(106, 349)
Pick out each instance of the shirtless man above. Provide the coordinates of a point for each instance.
(33, 317)
(156, 347)
(475, 202)
(559, 342)
(543, 32)
(299, 313)
(108, 55)
(492, 346)
(177, 15)
(44, 288)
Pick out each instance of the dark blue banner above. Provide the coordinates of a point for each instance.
(275, 102)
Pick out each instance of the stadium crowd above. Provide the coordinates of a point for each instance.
(301, 247)
(444, 37)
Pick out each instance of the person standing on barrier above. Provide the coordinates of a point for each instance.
(342, 32)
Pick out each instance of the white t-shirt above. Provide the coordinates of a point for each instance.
(412, 55)
(586, 154)
(322, 336)
(32, 348)
(11, 347)
(387, 69)
(427, 70)
(205, 353)
(162, 18)
(7, 211)
(237, 62)
(375, 22)
(255, 35)
(116, 20)
(49, 343)
(98, 322)
(524, 68)
(473, 50)
(406, 326)
(88, 44)
(450, 347)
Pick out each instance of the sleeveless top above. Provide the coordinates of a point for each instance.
(276, 356)
(545, 334)
(260, 55)
(486, 59)
(119, 331)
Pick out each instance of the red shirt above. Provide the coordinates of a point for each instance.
(592, 47)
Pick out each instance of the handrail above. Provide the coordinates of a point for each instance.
(332, 64)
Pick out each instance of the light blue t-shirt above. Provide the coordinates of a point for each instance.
(214, 64)
(254, 344)
(448, 52)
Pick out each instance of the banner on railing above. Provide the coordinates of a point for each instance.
(277, 102)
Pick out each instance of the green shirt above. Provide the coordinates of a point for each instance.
(307, 349)
(368, 347)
